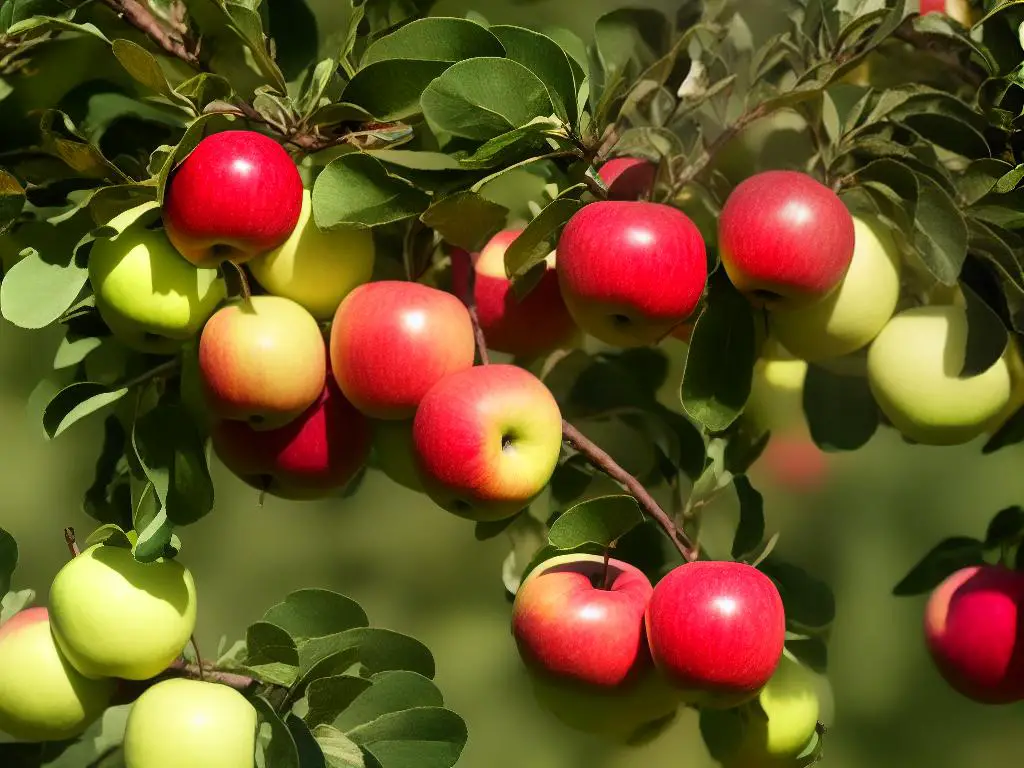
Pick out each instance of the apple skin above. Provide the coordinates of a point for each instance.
(237, 195)
(262, 360)
(148, 295)
(183, 723)
(852, 315)
(785, 239)
(527, 327)
(628, 178)
(716, 631)
(960, 10)
(394, 454)
(393, 340)
(308, 458)
(913, 372)
(972, 628)
(630, 271)
(113, 616)
(314, 268)
(42, 697)
(487, 440)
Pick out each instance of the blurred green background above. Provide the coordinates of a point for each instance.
(420, 571)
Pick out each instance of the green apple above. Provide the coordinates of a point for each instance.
(914, 370)
(394, 454)
(852, 315)
(316, 268)
(150, 297)
(113, 616)
(42, 697)
(190, 724)
(776, 391)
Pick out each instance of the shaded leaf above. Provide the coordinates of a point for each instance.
(271, 654)
(328, 697)
(12, 200)
(390, 692)
(465, 219)
(1005, 528)
(356, 189)
(546, 59)
(838, 429)
(8, 560)
(75, 402)
(424, 737)
(539, 237)
(808, 601)
(945, 559)
(309, 753)
(391, 90)
(435, 39)
(986, 334)
(309, 613)
(281, 751)
(750, 531)
(600, 521)
(376, 649)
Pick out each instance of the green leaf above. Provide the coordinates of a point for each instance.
(328, 697)
(424, 737)
(12, 200)
(945, 559)
(108, 499)
(76, 401)
(1007, 527)
(310, 613)
(722, 731)
(63, 141)
(750, 531)
(271, 654)
(357, 189)
(627, 41)
(720, 364)
(376, 649)
(281, 751)
(8, 560)
(155, 534)
(601, 521)
(811, 651)
(1010, 433)
(141, 65)
(308, 750)
(466, 219)
(204, 88)
(391, 90)
(808, 601)
(390, 692)
(339, 750)
(512, 147)
(986, 334)
(38, 289)
(248, 26)
(110, 535)
(435, 39)
(15, 602)
(546, 59)
(940, 232)
(838, 429)
(540, 237)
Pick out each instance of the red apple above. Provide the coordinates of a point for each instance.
(716, 631)
(308, 458)
(392, 341)
(974, 630)
(630, 271)
(527, 327)
(785, 239)
(237, 195)
(487, 440)
(628, 178)
(794, 461)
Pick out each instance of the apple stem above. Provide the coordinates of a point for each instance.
(605, 578)
(71, 541)
(469, 299)
(243, 281)
(199, 657)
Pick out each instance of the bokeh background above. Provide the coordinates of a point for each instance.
(420, 571)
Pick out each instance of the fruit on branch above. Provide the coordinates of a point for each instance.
(310, 457)
(628, 178)
(317, 268)
(394, 454)
(182, 722)
(526, 327)
(393, 340)
(113, 616)
(487, 441)
(630, 271)
(785, 239)
(262, 360)
(148, 295)
(914, 370)
(237, 195)
(42, 697)
(852, 315)
(776, 390)
(973, 630)
(716, 631)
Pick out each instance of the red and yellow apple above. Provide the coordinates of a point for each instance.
(628, 178)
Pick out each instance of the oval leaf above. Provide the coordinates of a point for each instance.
(75, 402)
(435, 39)
(271, 654)
(948, 557)
(600, 521)
(310, 613)
(391, 90)
(280, 751)
(545, 58)
(357, 189)
(838, 429)
(390, 692)
(466, 219)
(750, 531)
(425, 737)
(141, 65)
(328, 697)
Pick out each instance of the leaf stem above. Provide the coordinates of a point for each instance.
(169, 367)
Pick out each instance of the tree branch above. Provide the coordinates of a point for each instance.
(711, 150)
(210, 674)
(140, 17)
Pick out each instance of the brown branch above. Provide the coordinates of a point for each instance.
(938, 48)
(164, 368)
(69, 539)
(140, 17)
(469, 299)
(711, 150)
(181, 668)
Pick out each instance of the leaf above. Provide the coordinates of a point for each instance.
(945, 559)
(356, 189)
(203, 88)
(110, 535)
(1007, 527)
(310, 613)
(15, 602)
(80, 155)
(339, 750)
(271, 654)
(719, 367)
(8, 560)
(1010, 433)
(600, 521)
(722, 731)
(328, 697)
(465, 219)
(377, 649)
(511, 147)
(435, 39)
(808, 601)
(76, 401)
(248, 26)
(155, 535)
(281, 751)
(750, 531)
(940, 232)
(103, 500)
(424, 737)
(308, 750)
(546, 59)
(539, 237)
(986, 334)
(838, 429)
(391, 90)
(626, 41)
(390, 692)
(12, 200)
(141, 65)
(38, 289)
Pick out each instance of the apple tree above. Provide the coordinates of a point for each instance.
(357, 237)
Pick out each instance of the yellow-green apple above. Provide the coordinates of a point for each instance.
(785, 239)
(392, 340)
(393, 452)
(262, 360)
(42, 697)
(237, 194)
(487, 441)
(961, 10)
(527, 327)
(914, 368)
(183, 723)
(148, 295)
(113, 616)
(316, 268)
(974, 632)
(628, 178)
(630, 271)
(308, 458)
(854, 313)
(776, 391)
(716, 630)
(1016, 365)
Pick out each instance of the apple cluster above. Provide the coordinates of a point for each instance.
(112, 620)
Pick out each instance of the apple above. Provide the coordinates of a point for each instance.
(308, 458)
(776, 390)
(394, 454)
(630, 271)
(148, 295)
(793, 460)
(716, 631)
(628, 178)
(973, 631)
(487, 441)
(527, 327)
(785, 239)
(960, 10)
(183, 723)
(42, 697)
(262, 360)
(854, 313)
(237, 194)
(914, 373)
(113, 616)
(391, 341)
(316, 268)
(1016, 365)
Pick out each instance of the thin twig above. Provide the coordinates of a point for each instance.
(169, 367)
(71, 541)
(199, 657)
(181, 668)
(711, 150)
(140, 17)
